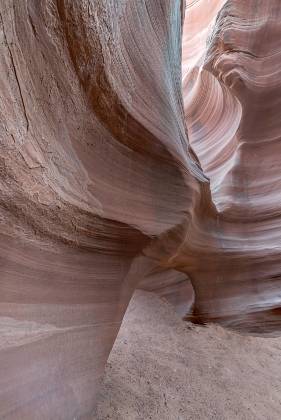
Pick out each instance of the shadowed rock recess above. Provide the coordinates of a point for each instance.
(140, 147)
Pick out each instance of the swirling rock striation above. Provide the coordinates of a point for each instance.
(120, 169)
(231, 95)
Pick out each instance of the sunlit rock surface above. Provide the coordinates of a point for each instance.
(114, 177)
(231, 89)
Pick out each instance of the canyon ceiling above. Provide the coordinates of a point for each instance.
(140, 147)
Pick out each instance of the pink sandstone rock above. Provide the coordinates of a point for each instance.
(128, 161)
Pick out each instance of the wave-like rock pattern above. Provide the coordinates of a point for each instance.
(231, 95)
(120, 168)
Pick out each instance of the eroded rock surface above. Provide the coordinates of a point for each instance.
(231, 86)
(113, 177)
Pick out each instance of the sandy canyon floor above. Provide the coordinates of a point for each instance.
(162, 368)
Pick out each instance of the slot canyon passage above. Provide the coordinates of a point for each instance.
(139, 150)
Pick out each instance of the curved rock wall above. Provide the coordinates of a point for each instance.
(103, 191)
(231, 96)
(92, 155)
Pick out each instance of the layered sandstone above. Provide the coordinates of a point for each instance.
(114, 177)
